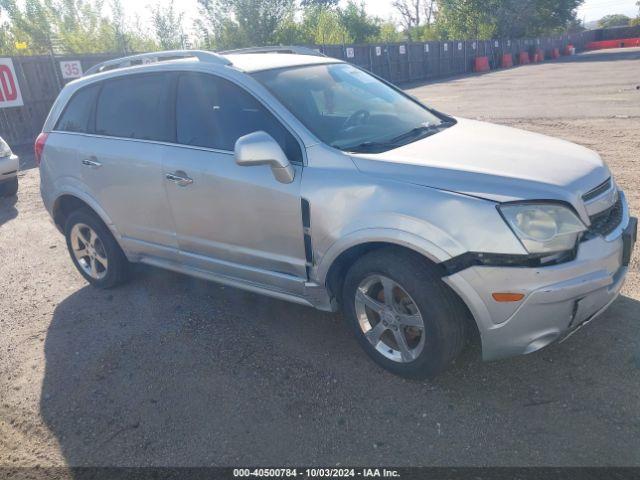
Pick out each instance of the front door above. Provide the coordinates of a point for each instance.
(238, 222)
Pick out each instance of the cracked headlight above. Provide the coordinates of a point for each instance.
(543, 228)
(5, 151)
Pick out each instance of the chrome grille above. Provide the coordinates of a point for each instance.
(605, 222)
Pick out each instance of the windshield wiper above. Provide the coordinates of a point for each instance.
(367, 147)
(416, 133)
(420, 131)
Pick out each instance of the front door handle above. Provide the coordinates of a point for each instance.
(179, 178)
(91, 162)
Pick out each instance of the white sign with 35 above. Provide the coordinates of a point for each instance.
(71, 69)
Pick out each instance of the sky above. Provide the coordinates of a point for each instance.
(596, 9)
(591, 9)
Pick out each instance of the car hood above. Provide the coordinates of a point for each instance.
(492, 162)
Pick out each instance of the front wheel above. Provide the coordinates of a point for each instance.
(94, 251)
(404, 316)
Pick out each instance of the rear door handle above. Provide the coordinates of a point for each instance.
(179, 178)
(91, 162)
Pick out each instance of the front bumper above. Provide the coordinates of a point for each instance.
(558, 299)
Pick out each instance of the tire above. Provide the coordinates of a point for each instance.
(418, 290)
(9, 188)
(104, 251)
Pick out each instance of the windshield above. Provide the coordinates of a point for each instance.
(349, 109)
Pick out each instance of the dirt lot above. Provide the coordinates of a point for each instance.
(168, 370)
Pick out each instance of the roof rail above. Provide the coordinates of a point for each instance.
(116, 63)
(277, 49)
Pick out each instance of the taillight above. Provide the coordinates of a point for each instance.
(39, 147)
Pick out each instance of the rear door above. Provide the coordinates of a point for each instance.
(121, 161)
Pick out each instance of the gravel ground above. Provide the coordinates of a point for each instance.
(169, 370)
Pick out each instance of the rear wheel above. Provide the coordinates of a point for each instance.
(403, 315)
(94, 251)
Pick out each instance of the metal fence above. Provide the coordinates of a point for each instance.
(417, 61)
(40, 78)
(616, 33)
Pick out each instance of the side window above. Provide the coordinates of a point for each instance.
(136, 107)
(214, 113)
(197, 106)
(76, 116)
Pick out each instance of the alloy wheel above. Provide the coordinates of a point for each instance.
(89, 251)
(389, 319)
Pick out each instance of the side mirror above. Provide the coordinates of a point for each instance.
(259, 148)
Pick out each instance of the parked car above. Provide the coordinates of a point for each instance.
(310, 180)
(8, 170)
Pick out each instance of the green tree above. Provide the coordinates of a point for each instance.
(258, 22)
(119, 27)
(614, 20)
(167, 25)
(548, 17)
(636, 21)
(82, 28)
(7, 39)
(291, 32)
(425, 33)
(483, 19)
(34, 24)
(68, 26)
(410, 12)
(324, 26)
(237, 23)
(462, 19)
(361, 27)
(210, 24)
(319, 3)
(389, 33)
(575, 26)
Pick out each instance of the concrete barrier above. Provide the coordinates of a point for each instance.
(481, 64)
(507, 60)
(538, 56)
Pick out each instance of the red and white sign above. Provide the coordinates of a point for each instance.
(10, 95)
(71, 69)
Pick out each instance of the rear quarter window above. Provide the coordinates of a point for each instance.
(76, 116)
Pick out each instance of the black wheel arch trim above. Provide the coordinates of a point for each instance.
(473, 259)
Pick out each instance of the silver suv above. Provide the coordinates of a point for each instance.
(301, 177)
